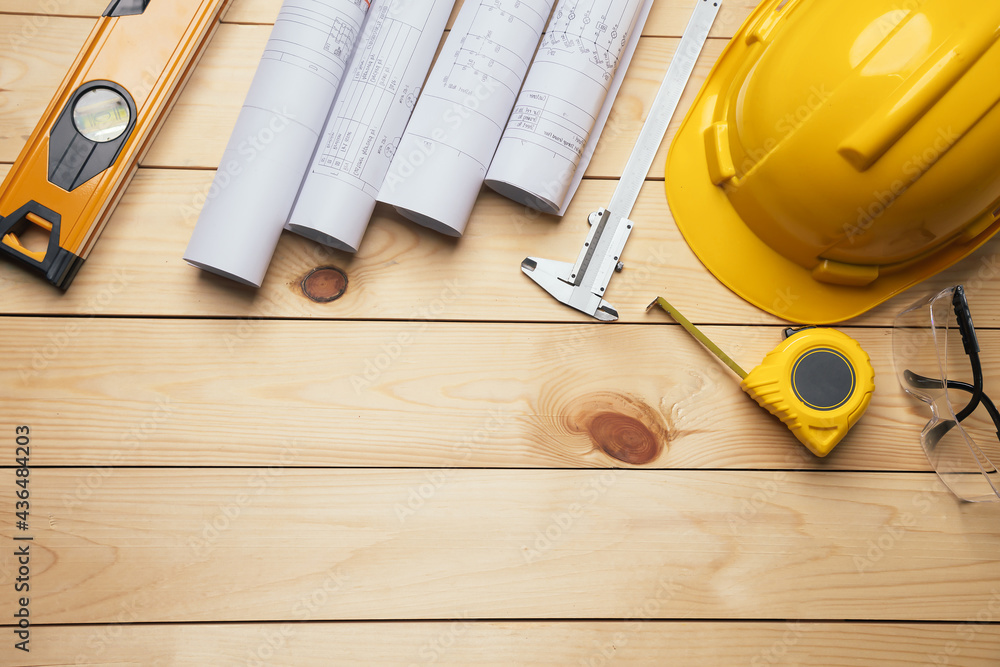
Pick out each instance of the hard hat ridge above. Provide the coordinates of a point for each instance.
(843, 150)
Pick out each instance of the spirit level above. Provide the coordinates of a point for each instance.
(98, 126)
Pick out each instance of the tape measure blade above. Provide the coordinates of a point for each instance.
(664, 106)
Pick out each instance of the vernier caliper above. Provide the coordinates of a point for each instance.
(582, 285)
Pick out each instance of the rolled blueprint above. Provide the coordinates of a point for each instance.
(438, 170)
(372, 108)
(275, 135)
(565, 102)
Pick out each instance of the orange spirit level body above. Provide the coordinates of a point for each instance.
(98, 126)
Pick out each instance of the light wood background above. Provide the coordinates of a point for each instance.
(445, 466)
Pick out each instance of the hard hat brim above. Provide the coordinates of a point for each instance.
(739, 259)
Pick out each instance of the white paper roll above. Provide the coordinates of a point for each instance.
(566, 99)
(438, 170)
(373, 106)
(275, 136)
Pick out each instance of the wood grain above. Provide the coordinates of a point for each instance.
(445, 466)
(247, 544)
(196, 133)
(40, 10)
(199, 126)
(465, 642)
(136, 267)
(102, 391)
(665, 19)
(399, 263)
(35, 53)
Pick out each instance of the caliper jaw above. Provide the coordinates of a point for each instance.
(582, 285)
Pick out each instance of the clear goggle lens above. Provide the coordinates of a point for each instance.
(933, 365)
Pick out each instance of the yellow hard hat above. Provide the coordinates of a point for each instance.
(841, 152)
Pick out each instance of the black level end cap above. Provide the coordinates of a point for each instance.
(126, 7)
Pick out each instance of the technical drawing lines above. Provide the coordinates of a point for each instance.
(461, 114)
(361, 135)
(356, 131)
(565, 101)
(599, 29)
(317, 35)
(489, 52)
(341, 39)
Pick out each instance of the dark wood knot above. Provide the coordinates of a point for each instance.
(324, 284)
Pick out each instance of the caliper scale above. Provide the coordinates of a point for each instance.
(582, 285)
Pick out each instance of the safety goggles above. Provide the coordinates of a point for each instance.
(936, 355)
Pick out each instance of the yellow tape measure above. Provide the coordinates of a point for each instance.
(818, 382)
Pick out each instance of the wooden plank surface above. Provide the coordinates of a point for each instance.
(444, 466)
(150, 236)
(198, 128)
(181, 545)
(665, 19)
(639, 641)
(402, 269)
(154, 392)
